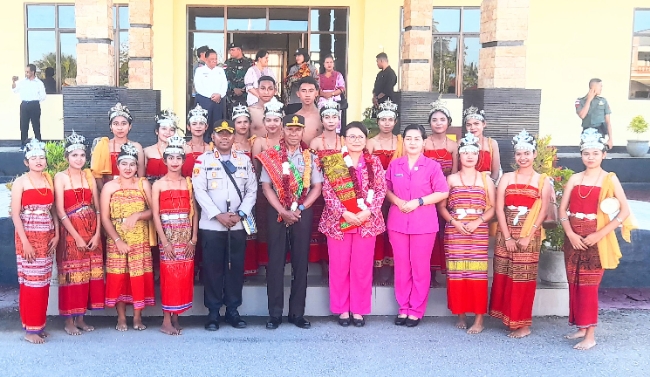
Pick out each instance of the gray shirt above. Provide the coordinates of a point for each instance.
(299, 162)
(213, 188)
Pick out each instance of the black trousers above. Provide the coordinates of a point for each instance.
(30, 111)
(215, 113)
(221, 285)
(297, 237)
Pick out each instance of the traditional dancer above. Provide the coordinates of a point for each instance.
(177, 228)
(197, 124)
(489, 158)
(522, 199)
(387, 146)
(80, 256)
(103, 162)
(125, 214)
(441, 148)
(166, 123)
(37, 235)
(466, 213)
(354, 190)
(593, 206)
(415, 184)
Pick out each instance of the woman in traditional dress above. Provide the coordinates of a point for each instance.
(244, 144)
(332, 86)
(166, 123)
(80, 255)
(595, 205)
(177, 228)
(37, 234)
(197, 125)
(466, 213)
(522, 199)
(442, 149)
(125, 214)
(489, 159)
(302, 68)
(415, 184)
(351, 221)
(103, 162)
(387, 147)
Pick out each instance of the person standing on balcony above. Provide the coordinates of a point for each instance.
(594, 111)
(32, 92)
(236, 68)
(211, 87)
(385, 81)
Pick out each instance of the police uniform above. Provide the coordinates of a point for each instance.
(298, 236)
(595, 118)
(213, 189)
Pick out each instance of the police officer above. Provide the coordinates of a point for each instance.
(223, 238)
(289, 218)
(236, 68)
(594, 110)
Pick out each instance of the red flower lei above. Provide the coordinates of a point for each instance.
(371, 176)
(287, 198)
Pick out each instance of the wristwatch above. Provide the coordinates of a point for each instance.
(301, 207)
(421, 201)
(241, 214)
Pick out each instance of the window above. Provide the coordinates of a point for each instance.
(328, 36)
(121, 38)
(456, 48)
(51, 41)
(640, 69)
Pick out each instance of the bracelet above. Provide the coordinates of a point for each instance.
(482, 218)
(534, 225)
(63, 218)
(192, 243)
(97, 212)
(508, 239)
(563, 219)
(164, 246)
(619, 220)
(117, 239)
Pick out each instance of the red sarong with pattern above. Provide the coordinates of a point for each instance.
(445, 159)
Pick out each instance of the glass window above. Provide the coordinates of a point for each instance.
(470, 62)
(321, 45)
(446, 20)
(206, 19)
(124, 17)
(289, 19)
(41, 49)
(329, 20)
(68, 50)
(214, 41)
(246, 19)
(123, 59)
(66, 17)
(642, 21)
(471, 20)
(640, 68)
(40, 16)
(445, 51)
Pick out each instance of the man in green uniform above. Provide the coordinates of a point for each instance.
(594, 110)
(236, 68)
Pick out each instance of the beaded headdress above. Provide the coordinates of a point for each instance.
(167, 118)
(197, 114)
(240, 110)
(469, 144)
(524, 141)
(330, 107)
(119, 110)
(439, 106)
(273, 108)
(75, 142)
(473, 113)
(34, 148)
(387, 109)
(592, 139)
(175, 145)
(128, 150)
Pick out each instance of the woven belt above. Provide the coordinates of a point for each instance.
(521, 211)
(463, 212)
(582, 216)
(174, 216)
(36, 212)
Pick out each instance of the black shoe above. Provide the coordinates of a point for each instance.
(236, 321)
(345, 322)
(300, 322)
(412, 322)
(273, 323)
(212, 325)
(358, 322)
(399, 321)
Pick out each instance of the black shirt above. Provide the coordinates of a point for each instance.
(50, 85)
(384, 83)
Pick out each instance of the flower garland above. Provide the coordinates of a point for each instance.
(302, 183)
(361, 203)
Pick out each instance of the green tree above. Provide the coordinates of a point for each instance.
(68, 65)
(124, 64)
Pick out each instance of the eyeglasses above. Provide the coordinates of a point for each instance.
(355, 137)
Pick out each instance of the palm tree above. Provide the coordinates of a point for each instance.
(68, 65)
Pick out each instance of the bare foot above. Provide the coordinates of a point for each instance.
(585, 344)
(34, 338)
(462, 322)
(576, 335)
(79, 322)
(176, 324)
(167, 328)
(121, 325)
(71, 329)
(476, 328)
(138, 325)
(520, 333)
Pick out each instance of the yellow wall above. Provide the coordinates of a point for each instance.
(569, 45)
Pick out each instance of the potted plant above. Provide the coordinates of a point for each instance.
(637, 148)
(370, 122)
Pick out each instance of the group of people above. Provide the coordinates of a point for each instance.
(279, 182)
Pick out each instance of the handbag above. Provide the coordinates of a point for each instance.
(250, 226)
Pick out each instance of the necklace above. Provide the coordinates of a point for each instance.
(325, 146)
(392, 143)
(529, 181)
(463, 182)
(171, 193)
(592, 187)
(83, 192)
(115, 150)
(36, 188)
(159, 152)
(435, 151)
(192, 146)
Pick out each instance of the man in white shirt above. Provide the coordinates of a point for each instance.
(211, 87)
(32, 93)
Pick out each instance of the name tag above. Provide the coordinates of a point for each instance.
(399, 174)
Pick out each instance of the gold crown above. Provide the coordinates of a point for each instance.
(119, 110)
(75, 142)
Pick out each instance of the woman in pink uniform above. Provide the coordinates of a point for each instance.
(415, 184)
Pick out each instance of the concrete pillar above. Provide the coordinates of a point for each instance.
(95, 54)
(140, 44)
(504, 31)
(417, 46)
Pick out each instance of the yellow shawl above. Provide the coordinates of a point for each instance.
(153, 234)
(535, 210)
(100, 161)
(608, 248)
(399, 148)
